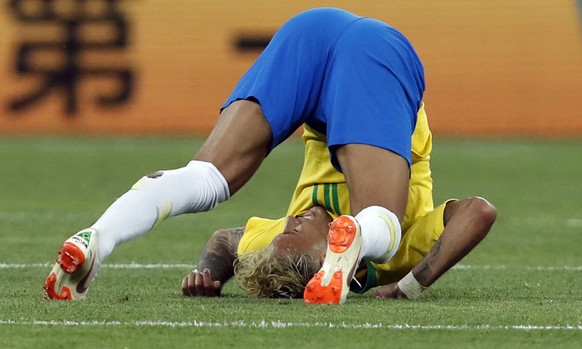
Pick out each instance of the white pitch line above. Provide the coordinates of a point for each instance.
(104, 266)
(534, 268)
(191, 266)
(283, 324)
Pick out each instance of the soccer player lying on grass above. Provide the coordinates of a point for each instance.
(277, 258)
(355, 80)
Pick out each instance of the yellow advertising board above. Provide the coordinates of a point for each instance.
(164, 67)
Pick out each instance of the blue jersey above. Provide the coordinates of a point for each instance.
(351, 78)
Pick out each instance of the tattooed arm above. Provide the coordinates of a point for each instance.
(215, 266)
(467, 222)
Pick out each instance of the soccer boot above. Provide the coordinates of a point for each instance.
(75, 267)
(331, 284)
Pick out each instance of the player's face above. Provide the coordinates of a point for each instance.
(306, 234)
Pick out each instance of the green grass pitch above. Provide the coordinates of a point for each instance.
(521, 288)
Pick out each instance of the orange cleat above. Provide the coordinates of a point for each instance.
(75, 267)
(331, 284)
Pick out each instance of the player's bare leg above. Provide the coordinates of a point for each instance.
(238, 144)
(375, 176)
(378, 184)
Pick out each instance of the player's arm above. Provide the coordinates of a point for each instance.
(215, 266)
(467, 222)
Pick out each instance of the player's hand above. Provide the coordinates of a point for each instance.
(200, 284)
(390, 291)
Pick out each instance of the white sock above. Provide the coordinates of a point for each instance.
(197, 187)
(381, 233)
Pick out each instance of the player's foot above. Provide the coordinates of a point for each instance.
(331, 283)
(75, 267)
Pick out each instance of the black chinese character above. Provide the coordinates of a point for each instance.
(71, 46)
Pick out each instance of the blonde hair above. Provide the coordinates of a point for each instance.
(271, 275)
